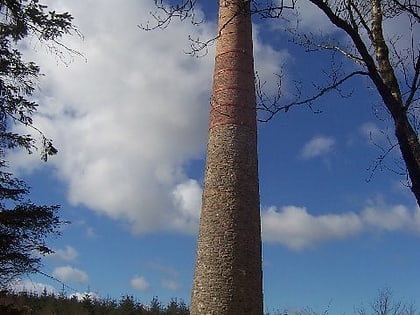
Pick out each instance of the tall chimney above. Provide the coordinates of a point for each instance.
(228, 271)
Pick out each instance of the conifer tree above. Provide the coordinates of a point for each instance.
(24, 226)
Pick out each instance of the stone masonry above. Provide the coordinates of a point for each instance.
(228, 271)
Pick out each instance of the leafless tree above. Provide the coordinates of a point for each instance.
(384, 304)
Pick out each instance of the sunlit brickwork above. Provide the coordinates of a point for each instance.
(228, 272)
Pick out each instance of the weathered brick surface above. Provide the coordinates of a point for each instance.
(228, 276)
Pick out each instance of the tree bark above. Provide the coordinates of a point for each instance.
(408, 140)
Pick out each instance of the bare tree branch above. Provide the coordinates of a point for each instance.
(271, 9)
(274, 107)
(165, 13)
(410, 7)
(415, 85)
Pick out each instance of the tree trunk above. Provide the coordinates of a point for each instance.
(408, 140)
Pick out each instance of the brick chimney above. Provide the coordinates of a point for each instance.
(228, 271)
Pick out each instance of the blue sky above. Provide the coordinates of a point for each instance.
(130, 122)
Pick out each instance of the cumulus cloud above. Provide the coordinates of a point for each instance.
(68, 254)
(170, 284)
(391, 218)
(187, 198)
(128, 120)
(69, 273)
(317, 146)
(139, 283)
(312, 19)
(297, 229)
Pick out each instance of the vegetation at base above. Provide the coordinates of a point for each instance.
(24, 303)
(383, 304)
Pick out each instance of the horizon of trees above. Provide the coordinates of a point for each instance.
(45, 303)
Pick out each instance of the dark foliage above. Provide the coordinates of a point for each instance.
(23, 232)
(26, 303)
(18, 20)
(24, 225)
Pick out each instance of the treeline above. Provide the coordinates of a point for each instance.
(25, 303)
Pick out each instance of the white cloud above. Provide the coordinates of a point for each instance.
(312, 19)
(68, 273)
(297, 229)
(317, 146)
(271, 75)
(391, 218)
(127, 120)
(187, 198)
(373, 133)
(269, 64)
(80, 296)
(68, 254)
(139, 283)
(26, 285)
(307, 17)
(170, 285)
(163, 269)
